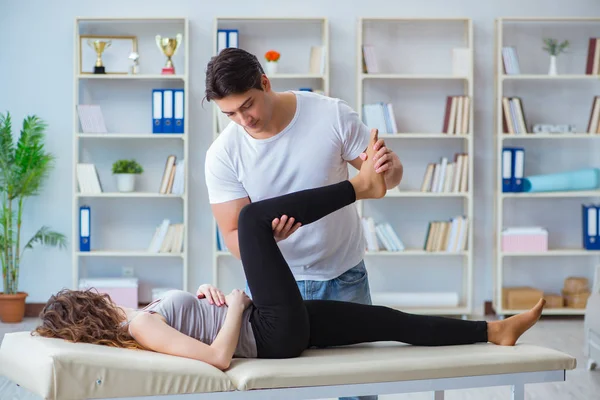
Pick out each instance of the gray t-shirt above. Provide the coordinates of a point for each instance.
(201, 320)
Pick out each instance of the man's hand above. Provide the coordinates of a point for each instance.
(386, 162)
(214, 295)
(237, 298)
(283, 227)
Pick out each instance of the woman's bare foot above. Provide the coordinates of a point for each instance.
(508, 331)
(368, 184)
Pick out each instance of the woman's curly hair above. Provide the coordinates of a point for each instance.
(85, 316)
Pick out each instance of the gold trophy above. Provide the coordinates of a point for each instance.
(99, 46)
(169, 47)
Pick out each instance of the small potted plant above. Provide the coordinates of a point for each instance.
(554, 49)
(126, 171)
(24, 167)
(272, 58)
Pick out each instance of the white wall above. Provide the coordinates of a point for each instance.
(36, 70)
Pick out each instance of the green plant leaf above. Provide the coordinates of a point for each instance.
(46, 237)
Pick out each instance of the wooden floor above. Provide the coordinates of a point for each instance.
(562, 334)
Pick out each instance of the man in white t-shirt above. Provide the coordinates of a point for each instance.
(282, 142)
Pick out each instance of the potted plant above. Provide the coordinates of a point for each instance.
(554, 49)
(272, 58)
(24, 166)
(126, 171)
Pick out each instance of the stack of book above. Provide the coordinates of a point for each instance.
(380, 236)
(168, 238)
(447, 177)
(447, 236)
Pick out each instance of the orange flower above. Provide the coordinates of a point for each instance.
(272, 55)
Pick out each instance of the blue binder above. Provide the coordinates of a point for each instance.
(178, 110)
(167, 98)
(507, 169)
(590, 225)
(157, 110)
(84, 228)
(518, 168)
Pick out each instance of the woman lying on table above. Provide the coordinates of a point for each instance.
(277, 322)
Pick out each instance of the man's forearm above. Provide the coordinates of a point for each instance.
(231, 240)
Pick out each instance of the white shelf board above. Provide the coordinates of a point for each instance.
(131, 77)
(179, 136)
(533, 195)
(548, 311)
(131, 195)
(558, 136)
(410, 76)
(417, 135)
(549, 77)
(553, 253)
(125, 253)
(296, 76)
(399, 193)
(413, 252)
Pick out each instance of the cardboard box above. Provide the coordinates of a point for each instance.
(521, 297)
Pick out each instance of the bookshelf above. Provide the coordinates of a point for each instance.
(123, 223)
(293, 38)
(417, 65)
(564, 98)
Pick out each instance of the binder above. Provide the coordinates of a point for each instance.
(178, 111)
(507, 170)
(590, 225)
(84, 228)
(167, 126)
(227, 38)
(518, 162)
(157, 110)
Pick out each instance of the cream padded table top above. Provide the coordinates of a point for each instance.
(384, 362)
(56, 369)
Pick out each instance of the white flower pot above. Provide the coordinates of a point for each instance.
(271, 67)
(125, 182)
(552, 69)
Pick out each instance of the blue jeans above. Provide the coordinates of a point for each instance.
(352, 285)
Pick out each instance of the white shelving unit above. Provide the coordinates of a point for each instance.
(565, 98)
(292, 37)
(415, 74)
(123, 223)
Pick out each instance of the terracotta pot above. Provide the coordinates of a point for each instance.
(12, 307)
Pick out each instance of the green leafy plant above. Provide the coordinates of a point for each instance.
(24, 166)
(555, 48)
(127, 167)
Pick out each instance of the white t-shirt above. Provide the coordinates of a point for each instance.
(312, 151)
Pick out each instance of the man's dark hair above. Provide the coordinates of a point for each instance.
(232, 71)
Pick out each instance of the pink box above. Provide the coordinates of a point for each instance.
(524, 240)
(122, 291)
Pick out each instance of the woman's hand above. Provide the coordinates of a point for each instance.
(237, 298)
(211, 293)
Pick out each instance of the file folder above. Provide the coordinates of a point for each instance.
(590, 227)
(167, 111)
(157, 110)
(84, 228)
(507, 170)
(178, 111)
(518, 164)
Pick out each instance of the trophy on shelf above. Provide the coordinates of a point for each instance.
(169, 47)
(99, 46)
(135, 68)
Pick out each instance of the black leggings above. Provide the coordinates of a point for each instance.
(284, 324)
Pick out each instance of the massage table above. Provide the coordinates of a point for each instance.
(56, 369)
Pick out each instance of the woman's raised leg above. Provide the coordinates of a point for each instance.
(280, 311)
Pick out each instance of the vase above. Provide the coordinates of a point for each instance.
(271, 67)
(12, 307)
(552, 69)
(125, 182)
